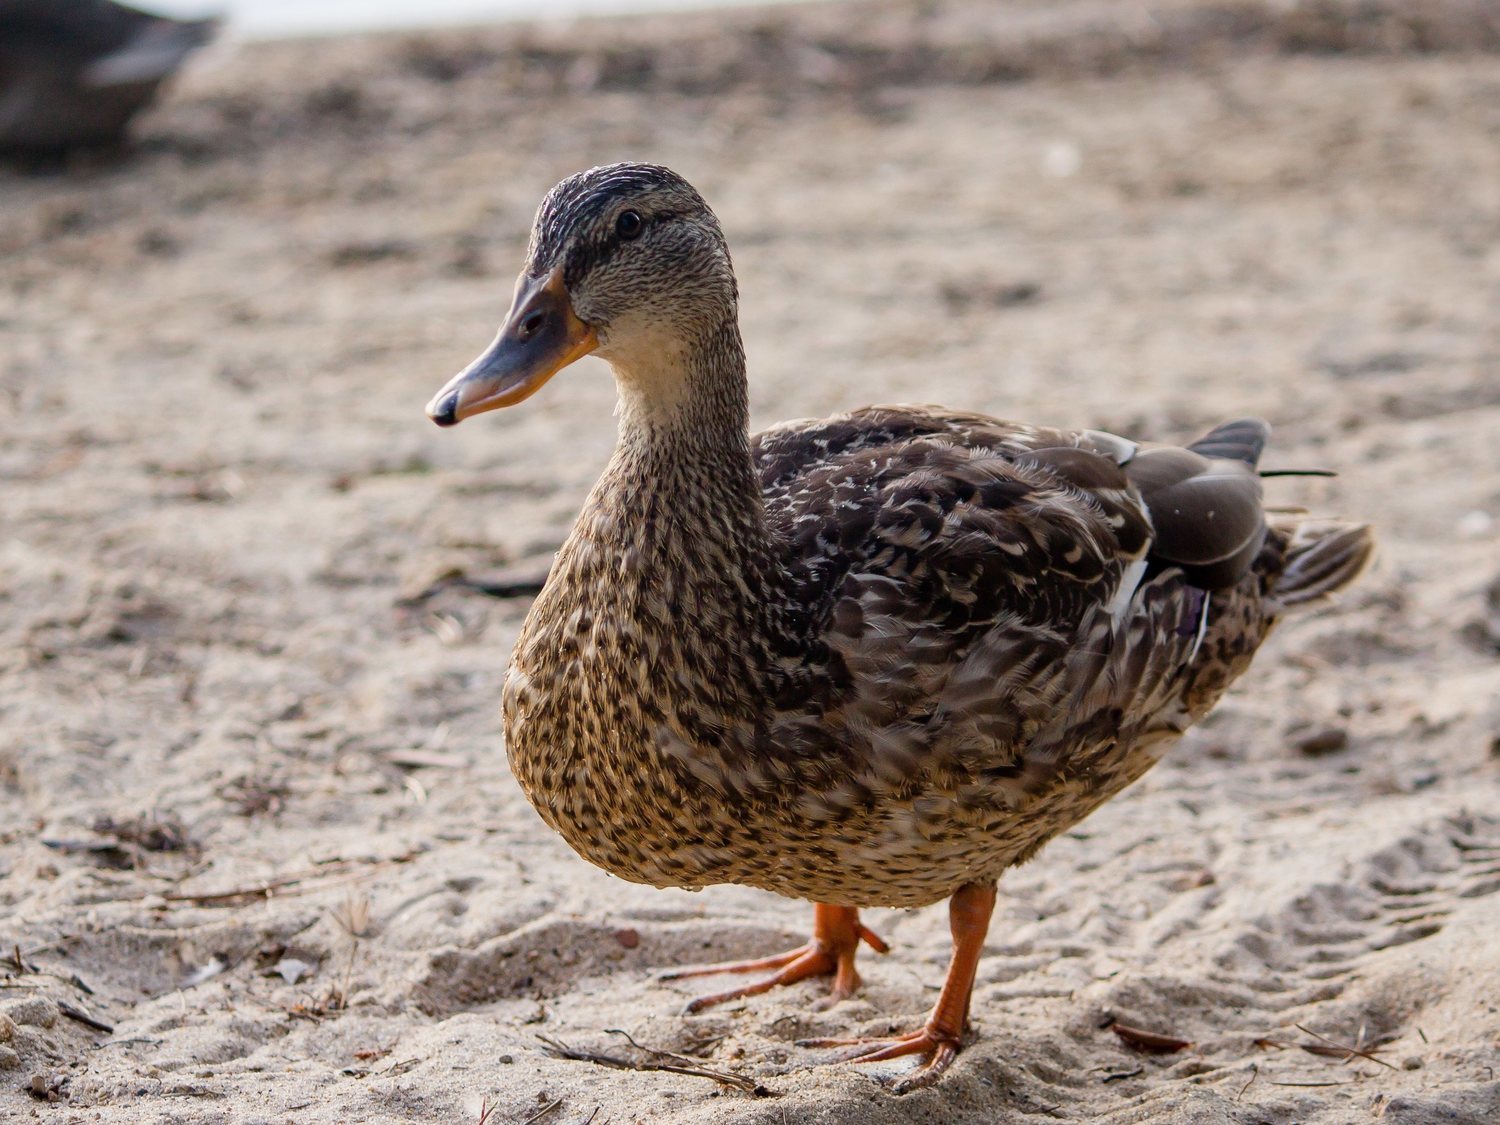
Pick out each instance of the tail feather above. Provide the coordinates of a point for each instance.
(1321, 559)
(1244, 439)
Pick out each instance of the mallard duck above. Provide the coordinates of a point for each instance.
(74, 72)
(868, 660)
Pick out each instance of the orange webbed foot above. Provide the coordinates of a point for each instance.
(939, 1039)
(938, 1046)
(837, 933)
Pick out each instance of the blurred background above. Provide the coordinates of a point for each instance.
(73, 73)
(272, 18)
(243, 688)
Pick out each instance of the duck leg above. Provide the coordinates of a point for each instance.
(836, 936)
(939, 1039)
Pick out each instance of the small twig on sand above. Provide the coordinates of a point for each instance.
(330, 875)
(1150, 1041)
(1339, 1049)
(1254, 1074)
(78, 1015)
(326, 874)
(685, 1060)
(22, 968)
(539, 1114)
(237, 896)
(561, 1050)
(353, 917)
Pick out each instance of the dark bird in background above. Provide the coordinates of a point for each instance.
(74, 72)
(868, 660)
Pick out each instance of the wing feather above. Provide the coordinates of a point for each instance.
(997, 608)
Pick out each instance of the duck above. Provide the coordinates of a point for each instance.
(869, 660)
(74, 72)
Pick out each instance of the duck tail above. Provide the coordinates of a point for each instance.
(1243, 439)
(1321, 559)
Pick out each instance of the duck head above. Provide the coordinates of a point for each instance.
(626, 262)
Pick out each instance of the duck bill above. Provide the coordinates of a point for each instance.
(540, 336)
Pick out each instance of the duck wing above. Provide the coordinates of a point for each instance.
(986, 607)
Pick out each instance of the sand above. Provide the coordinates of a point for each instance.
(254, 810)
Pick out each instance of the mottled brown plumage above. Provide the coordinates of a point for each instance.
(870, 660)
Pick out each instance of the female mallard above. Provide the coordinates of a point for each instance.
(872, 660)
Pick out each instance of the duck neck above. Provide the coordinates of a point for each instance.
(684, 441)
(679, 509)
(676, 526)
(685, 394)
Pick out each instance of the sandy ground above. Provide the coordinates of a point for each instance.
(254, 811)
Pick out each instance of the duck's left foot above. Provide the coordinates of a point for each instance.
(939, 1039)
(837, 933)
(938, 1045)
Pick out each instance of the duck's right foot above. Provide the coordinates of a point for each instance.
(836, 936)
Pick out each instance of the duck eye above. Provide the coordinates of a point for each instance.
(629, 225)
